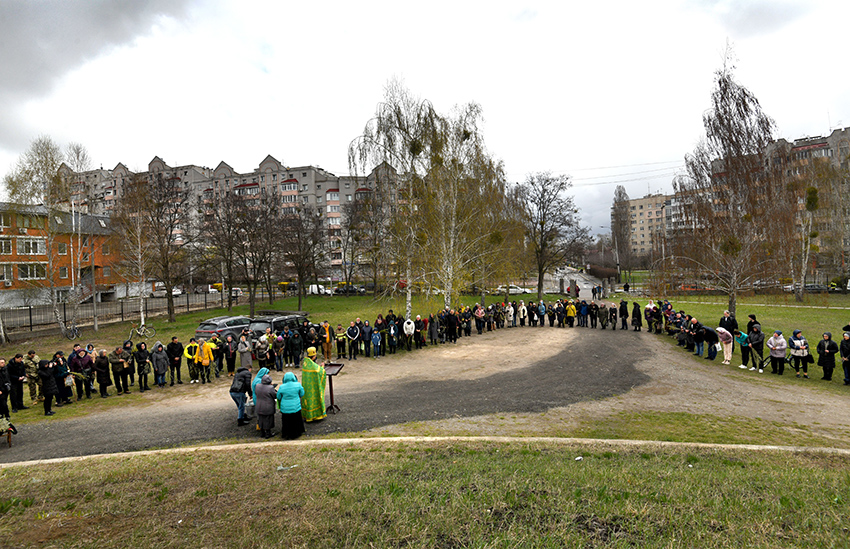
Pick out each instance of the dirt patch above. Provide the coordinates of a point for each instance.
(512, 382)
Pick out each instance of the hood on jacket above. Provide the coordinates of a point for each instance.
(797, 333)
(139, 345)
(757, 327)
(158, 347)
(828, 335)
(289, 377)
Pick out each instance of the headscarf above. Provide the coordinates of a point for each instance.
(257, 379)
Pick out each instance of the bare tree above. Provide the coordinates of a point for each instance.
(731, 199)
(621, 230)
(223, 237)
(170, 222)
(551, 222)
(303, 244)
(132, 233)
(400, 135)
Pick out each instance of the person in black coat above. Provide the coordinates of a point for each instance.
(612, 316)
(49, 388)
(17, 375)
(141, 357)
(624, 314)
(101, 372)
(844, 352)
(756, 339)
(827, 349)
(5, 389)
(637, 318)
(730, 324)
(174, 350)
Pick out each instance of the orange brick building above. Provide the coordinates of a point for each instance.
(73, 255)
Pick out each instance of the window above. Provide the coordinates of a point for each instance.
(107, 271)
(5, 220)
(289, 198)
(304, 187)
(105, 249)
(102, 223)
(305, 199)
(640, 207)
(348, 185)
(62, 248)
(303, 174)
(348, 197)
(632, 208)
(333, 209)
(31, 271)
(333, 196)
(336, 256)
(318, 200)
(6, 246)
(63, 272)
(58, 220)
(6, 272)
(31, 246)
(274, 177)
(318, 186)
(333, 221)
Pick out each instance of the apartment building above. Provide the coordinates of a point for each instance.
(647, 221)
(40, 250)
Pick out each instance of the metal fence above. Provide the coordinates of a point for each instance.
(35, 317)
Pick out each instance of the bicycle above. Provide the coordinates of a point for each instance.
(72, 332)
(142, 331)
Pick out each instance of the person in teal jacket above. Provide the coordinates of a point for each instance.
(289, 402)
(256, 381)
(744, 342)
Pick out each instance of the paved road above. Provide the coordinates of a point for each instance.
(592, 367)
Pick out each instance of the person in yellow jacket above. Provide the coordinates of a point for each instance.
(189, 352)
(571, 314)
(203, 359)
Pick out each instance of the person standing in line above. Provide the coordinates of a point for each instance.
(522, 312)
(33, 379)
(800, 351)
(142, 359)
(409, 328)
(159, 364)
(289, 396)
(5, 389)
(827, 349)
(326, 333)
(81, 365)
(189, 353)
(17, 376)
(174, 350)
(265, 397)
(296, 347)
(120, 362)
(777, 346)
(376, 343)
(244, 350)
(341, 337)
(844, 352)
(353, 335)
(637, 318)
(204, 359)
(48, 384)
(624, 314)
(756, 338)
(101, 372)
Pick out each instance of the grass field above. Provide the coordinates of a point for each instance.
(433, 494)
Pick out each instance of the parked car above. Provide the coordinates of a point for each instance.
(276, 320)
(160, 292)
(206, 289)
(236, 292)
(815, 288)
(351, 289)
(511, 290)
(318, 289)
(222, 325)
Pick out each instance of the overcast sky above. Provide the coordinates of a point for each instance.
(606, 92)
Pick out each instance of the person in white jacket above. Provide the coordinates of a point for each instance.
(509, 314)
(777, 346)
(523, 314)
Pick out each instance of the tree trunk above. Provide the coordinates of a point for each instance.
(733, 301)
(540, 274)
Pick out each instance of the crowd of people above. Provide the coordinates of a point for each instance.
(59, 377)
(706, 341)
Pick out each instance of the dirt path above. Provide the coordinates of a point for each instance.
(508, 382)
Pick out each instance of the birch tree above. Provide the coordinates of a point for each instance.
(732, 198)
(132, 234)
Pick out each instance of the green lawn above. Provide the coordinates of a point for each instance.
(432, 494)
